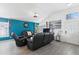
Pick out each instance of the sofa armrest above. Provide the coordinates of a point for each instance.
(30, 39)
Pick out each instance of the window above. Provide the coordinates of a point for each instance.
(74, 15)
(4, 29)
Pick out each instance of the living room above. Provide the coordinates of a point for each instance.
(39, 28)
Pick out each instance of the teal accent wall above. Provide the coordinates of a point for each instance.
(17, 27)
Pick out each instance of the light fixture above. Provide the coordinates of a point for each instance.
(35, 15)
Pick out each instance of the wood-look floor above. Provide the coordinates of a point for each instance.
(8, 47)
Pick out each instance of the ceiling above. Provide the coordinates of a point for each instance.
(25, 11)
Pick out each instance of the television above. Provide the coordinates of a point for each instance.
(46, 30)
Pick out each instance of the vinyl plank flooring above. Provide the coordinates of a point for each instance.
(8, 47)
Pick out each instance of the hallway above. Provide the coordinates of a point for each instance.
(54, 48)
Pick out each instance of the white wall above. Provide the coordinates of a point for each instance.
(19, 11)
(71, 26)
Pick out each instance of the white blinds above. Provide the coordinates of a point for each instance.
(4, 29)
